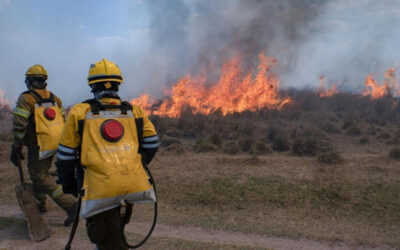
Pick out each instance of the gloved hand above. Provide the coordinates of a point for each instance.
(70, 188)
(16, 151)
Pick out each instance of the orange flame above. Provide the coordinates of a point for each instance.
(326, 92)
(234, 92)
(390, 85)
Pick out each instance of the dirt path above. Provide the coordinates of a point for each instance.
(14, 237)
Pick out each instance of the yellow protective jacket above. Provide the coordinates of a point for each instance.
(24, 129)
(112, 167)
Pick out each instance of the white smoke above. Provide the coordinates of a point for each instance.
(350, 40)
(343, 40)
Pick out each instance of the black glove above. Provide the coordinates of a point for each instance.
(16, 151)
(70, 188)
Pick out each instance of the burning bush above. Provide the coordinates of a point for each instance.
(235, 91)
(249, 132)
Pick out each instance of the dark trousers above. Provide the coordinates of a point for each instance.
(104, 230)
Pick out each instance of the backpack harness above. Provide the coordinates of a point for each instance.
(124, 107)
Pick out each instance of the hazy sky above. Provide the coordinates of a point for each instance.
(157, 41)
(66, 37)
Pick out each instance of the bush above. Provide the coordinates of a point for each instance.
(177, 149)
(354, 131)
(281, 143)
(203, 145)
(383, 136)
(273, 133)
(231, 148)
(330, 128)
(347, 123)
(371, 130)
(394, 153)
(396, 139)
(262, 148)
(330, 157)
(167, 141)
(364, 140)
(216, 139)
(307, 146)
(246, 145)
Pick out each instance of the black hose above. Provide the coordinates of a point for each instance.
(154, 218)
(75, 225)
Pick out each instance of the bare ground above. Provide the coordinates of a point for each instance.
(15, 236)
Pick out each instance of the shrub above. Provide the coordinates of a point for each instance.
(231, 147)
(262, 148)
(330, 157)
(396, 138)
(354, 131)
(394, 153)
(203, 145)
(216, 139)
(177, 149)
(167, 141)
(174, 133)
(364, 140)
(307, 146)
(273, 133)
(371, 130)
(383, 136)
(246, 145)
(330, 128)
(281, 143)
(246, 129)
(347, 123)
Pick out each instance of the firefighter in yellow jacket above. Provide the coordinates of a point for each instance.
(38, 122)
(107, 140)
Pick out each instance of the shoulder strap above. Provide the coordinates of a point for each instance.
(139, 129)
(96, 106)
(39, 99)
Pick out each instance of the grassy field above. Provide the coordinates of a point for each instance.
(330, 183)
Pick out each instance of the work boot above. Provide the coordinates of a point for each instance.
(42, 207)
(71, 214)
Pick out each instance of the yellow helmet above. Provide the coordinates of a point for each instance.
(104, 71)
(37, 70)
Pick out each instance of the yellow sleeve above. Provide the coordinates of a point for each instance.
(148, 127)
(21, 117)
(70, 135)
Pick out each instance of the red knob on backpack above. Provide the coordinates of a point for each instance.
(112, 130)
(49, 113)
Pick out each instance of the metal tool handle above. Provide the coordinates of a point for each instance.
(21, 174)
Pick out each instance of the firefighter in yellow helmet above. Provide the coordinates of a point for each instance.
(37, 124)
(109, 139)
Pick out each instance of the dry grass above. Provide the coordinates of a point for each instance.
(282, 195)
(225, 172)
